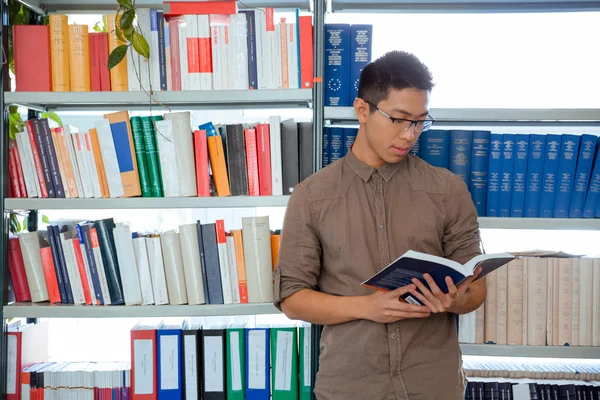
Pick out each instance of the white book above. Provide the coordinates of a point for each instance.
(586, 298)
(133, 70)
(29, 153)
(259, 268)
(183, 55)
(88, 271)
(184, 146)
(143, 265)
(82, 163)
(206, 74)
(226, 67)
(239, 52)
(575, 301)
(109, 157)
(102, 275)
(143, 20)
(171, 249)
(223, 262)
(260, 33)
(192, 268)
(73, 158)
(154, 52)
(191, 22)
(34, 271)
(157, 271)
(31, 183)
(596, 304)
(466, 328)
(127, 265)
(276, 62)
(167, 155)
(90, 159)
(217, 55)
(292, 53)
(233, 274)
(276, 160)
(72, 269)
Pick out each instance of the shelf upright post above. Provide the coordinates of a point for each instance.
(318, 90)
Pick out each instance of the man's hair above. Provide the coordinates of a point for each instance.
(395, 70)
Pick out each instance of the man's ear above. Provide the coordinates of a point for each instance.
(362, 110)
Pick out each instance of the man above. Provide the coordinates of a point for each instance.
(348, 221)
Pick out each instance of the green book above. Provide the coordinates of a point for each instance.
(140, 154)
(152, 156)
(305, 373)
(236, 366)
(284, 363)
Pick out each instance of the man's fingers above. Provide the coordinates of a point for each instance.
(401, 306)
(402, 290)
(430, 306)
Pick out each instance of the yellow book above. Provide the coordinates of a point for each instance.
(79, 42)
(59, 53)
(218, 165)
(118, 74)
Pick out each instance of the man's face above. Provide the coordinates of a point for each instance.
(391, 140)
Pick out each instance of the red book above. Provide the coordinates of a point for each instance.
(178, 8)
(142, 354)
(16, 268)
(201, 151)
(103, 60)
(306, 51)
(95, 61)
(175, 54)
(16, 349)
(50, 275)
(12, 170)
(263, 148)
(32, 62)
(19, 167)
(87, 294)
(252, 162)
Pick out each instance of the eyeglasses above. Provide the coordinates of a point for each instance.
(419, 126)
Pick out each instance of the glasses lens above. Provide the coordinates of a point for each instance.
(423, 125)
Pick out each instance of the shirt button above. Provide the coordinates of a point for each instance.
(393, 336)
(386, 262)
(380, 226)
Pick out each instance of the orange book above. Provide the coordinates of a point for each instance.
(284, 54)
(240, 264)
(79, 44)
(50, 275)
(123, 138)
(118, 75)
(275, 240)
(61, 144)
(60, 159)
(59, 53)
(95, 145)
(218, 165)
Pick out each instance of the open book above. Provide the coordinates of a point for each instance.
(414, 264)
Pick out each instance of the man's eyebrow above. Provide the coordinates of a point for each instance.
(401, 111)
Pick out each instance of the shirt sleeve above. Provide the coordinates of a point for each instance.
(299, 262)
(461, 240)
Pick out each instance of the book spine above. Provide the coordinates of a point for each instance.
(52, 158)
(535, 171)
(326, 147)
(252, 162)
(593, 194)
(494, 174)
(519, 175)
(435, 148)
(582, 175)
(140, 154)
(201, 153)
(506, 177)
(162, 55)
(349, 138)
(480, 159)
(337, 65)
(336, 144)
(83, 234)
(151, 156)
(565, 175)
(251, 44)
(553, 146)
(361, 37)
(38, 143)
(460, 154)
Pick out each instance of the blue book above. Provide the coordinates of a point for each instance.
(592, 198)
(361, 37)
(519, 175)
(535, 171)
(258, 364)
(460, 154)
(414, 264)
(435, 147)
(567, 166)
(326, 147)
(506, 178)
(162, 56)
(587, 149)
(336, 144)
(553, 142)
(337, 65)
(494, 175)
(251, 45)
(480, 163)
(168, 342)
(415, 150)
(349, 138)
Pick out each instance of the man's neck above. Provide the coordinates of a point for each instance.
(363, 152)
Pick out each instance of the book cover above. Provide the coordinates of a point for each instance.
(435, 147)
(460, 154)
(337, 65)
(506, 177)
(585, 160)
(535, 170)
(494, 175)
(549, 180)
(519, 175)
(565, 174)
(361, 40)
(480, 156)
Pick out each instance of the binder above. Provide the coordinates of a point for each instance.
(284, 360)
(213, 377)
(169, 355)
(258, 382)
(236, 361)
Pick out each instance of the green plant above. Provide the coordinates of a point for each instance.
(100, 26)
(16, 226)
(128, 31)
(15, 122)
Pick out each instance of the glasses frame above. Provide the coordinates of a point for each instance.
(413, 123)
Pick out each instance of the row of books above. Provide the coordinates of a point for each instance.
(552, 390)
(531, 368)
(546, 300)
(159, 156)
(208, 46)
(175, 358)
(520, 175)
(348, 50)
(103, 263)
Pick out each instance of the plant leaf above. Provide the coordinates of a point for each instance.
(128, 32)
(52, 115)
(140, 45)
(45, 219)
(97, 28)
(127, 19)
(125, 4)
(25, 223)
(119, 34)
(12, 109)
(117, 56)
(14, 227)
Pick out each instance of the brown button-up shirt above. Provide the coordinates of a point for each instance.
(344, 224)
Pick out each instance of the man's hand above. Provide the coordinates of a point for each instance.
(386, 307)
(438, 301)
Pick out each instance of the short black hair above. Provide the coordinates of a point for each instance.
(395, 70)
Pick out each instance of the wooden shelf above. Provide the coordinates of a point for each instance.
(30, 310)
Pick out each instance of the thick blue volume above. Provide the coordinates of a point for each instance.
(593, 194)
(336, 143)
(494, 173)
(553, 142)
(480, 163)
(326, 147)
(349, 138)
(337, 65)
(519, 175)
(263, 392)
(416, 149)
(587, 148)
(174, 358)
(251, 44)
(361, 37)
(435, 147)
(162, 55)
(506, 178)
(535, 171)
(566, 175)
(460, 154)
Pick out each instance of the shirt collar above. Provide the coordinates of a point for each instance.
(387, 171)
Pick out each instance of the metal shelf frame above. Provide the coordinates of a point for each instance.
(494, 350)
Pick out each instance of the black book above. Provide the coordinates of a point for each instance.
(236, 160)
(212, 265)
(104, 230)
